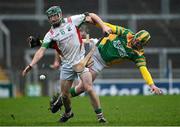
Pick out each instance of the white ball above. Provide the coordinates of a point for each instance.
(42, 77)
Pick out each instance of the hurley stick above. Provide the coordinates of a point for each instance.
(81, 65)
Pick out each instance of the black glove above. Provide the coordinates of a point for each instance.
(36, 42)
(33, 42)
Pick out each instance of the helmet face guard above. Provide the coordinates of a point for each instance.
(53, 11)
(141, 39)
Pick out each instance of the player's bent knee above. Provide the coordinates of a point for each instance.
(81, 89)
(88, 88)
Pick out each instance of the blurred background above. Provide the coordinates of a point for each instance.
(21, 18)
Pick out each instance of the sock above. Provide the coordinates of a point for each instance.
(98, 111)
(73, 92)
(67, 104)
(100, 115)
(68, 110)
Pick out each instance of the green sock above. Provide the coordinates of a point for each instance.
(99, 110)
(73, 92)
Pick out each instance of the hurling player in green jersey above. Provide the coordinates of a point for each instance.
(121, 45)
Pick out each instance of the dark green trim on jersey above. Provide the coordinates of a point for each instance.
(116, 30)
(45, 45)
(62, 21)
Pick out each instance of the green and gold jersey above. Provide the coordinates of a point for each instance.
(117, 47)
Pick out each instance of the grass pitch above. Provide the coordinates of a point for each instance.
(118, 110)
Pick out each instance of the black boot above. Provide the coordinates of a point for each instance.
(56, 103)
(66, 116)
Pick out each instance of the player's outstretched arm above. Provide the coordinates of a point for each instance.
(38, 55)
(115, 28)
(95, 19)
(149, 81)
(36, 42)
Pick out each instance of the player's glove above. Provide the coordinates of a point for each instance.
(33, 42)
(55, 103)
(36, 42)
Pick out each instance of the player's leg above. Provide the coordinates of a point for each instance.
(67, 77)
(56, 101)
(97, 67)
(65, 96)
(78, 87)
(86, 79)
(94, 98)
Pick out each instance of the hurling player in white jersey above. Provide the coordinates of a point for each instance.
(65, 32)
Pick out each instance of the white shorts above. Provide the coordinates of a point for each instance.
(67, 73)
(99, 63)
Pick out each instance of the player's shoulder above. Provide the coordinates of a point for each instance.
(67, 20)
(52, 32)
(77, 15)
(49, 33)
(76, 18)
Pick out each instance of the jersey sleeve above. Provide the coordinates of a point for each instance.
(141, 64)
(119, 30)
(146, 75)
(140, 61)
(77, 20)
(116, 29)
(46, 41)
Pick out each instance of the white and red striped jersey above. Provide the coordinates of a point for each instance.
(68, 39)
